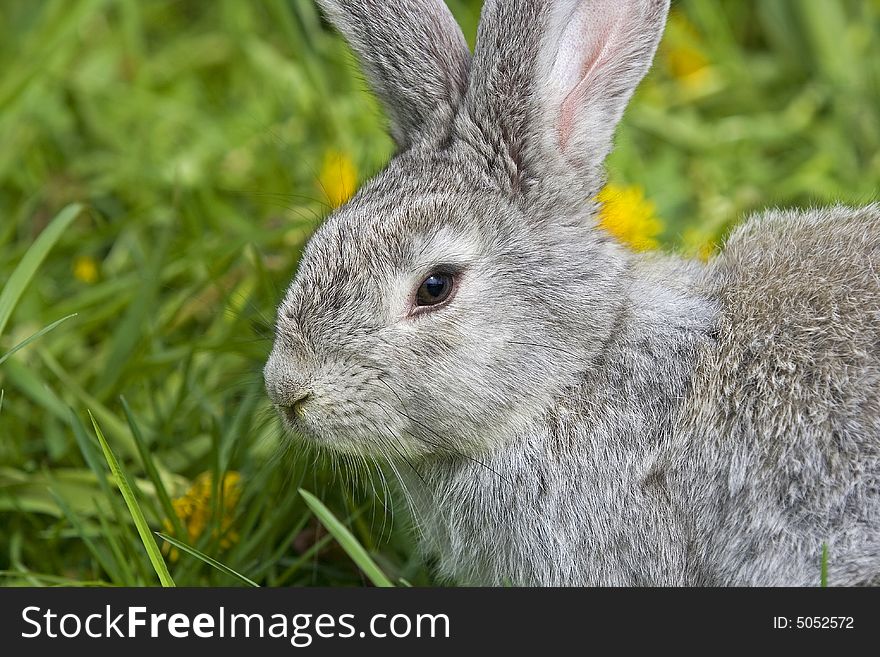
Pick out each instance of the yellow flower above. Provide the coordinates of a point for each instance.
(85, 269)
(195, 506)
(685, 61)
(338, 178)
(683, 52)
(629, 216)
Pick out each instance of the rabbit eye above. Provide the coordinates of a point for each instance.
(435, 289)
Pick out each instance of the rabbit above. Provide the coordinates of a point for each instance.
(561, 410)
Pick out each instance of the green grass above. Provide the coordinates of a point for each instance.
(134, 509)
(178, 146)
(345, 539)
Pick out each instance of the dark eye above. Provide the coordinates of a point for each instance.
(434, 290)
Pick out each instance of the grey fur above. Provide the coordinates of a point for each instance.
(578, 413)
(415, 58)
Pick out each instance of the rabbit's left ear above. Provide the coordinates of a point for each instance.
(415, 58)
(550, 81)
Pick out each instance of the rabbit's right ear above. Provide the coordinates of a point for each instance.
(549, 82)
(415, 58)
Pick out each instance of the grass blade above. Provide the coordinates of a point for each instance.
(347, 540)
(118, 429)
(301, 560)
(152, 471)
(32, 259)
(116, 549)
(110, 566)
(131, 328)
(137, 515)
(90, 456)
(24, 343)
(180, 545)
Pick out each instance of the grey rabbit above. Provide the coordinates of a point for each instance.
(561, 410)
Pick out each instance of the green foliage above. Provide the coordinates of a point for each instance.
(206, 559)
(134, 508)
(345, 538)
(24, 272)
(193, 135)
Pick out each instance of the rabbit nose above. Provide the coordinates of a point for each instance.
(290, 400)
(287, 392)
(287, 386)
(302, 397)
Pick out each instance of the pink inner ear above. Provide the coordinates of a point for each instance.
(577, 94)
(587, 43)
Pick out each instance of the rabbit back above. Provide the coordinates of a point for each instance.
(782, 433)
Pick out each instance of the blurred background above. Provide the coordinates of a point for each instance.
(203, 142)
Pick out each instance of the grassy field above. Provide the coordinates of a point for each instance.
(162, 164)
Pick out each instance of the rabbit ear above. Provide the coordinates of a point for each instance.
(414, 56)
(550, 81)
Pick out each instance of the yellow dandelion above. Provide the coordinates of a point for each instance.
(338, 178)
(685, 61)
(194, 510)
(629, 216)
(85, 269)
(683, 53)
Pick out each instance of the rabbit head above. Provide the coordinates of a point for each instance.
(466, 286)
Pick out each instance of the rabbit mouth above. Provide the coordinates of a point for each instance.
(306, 425)
(300, 432)
(295, 421)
